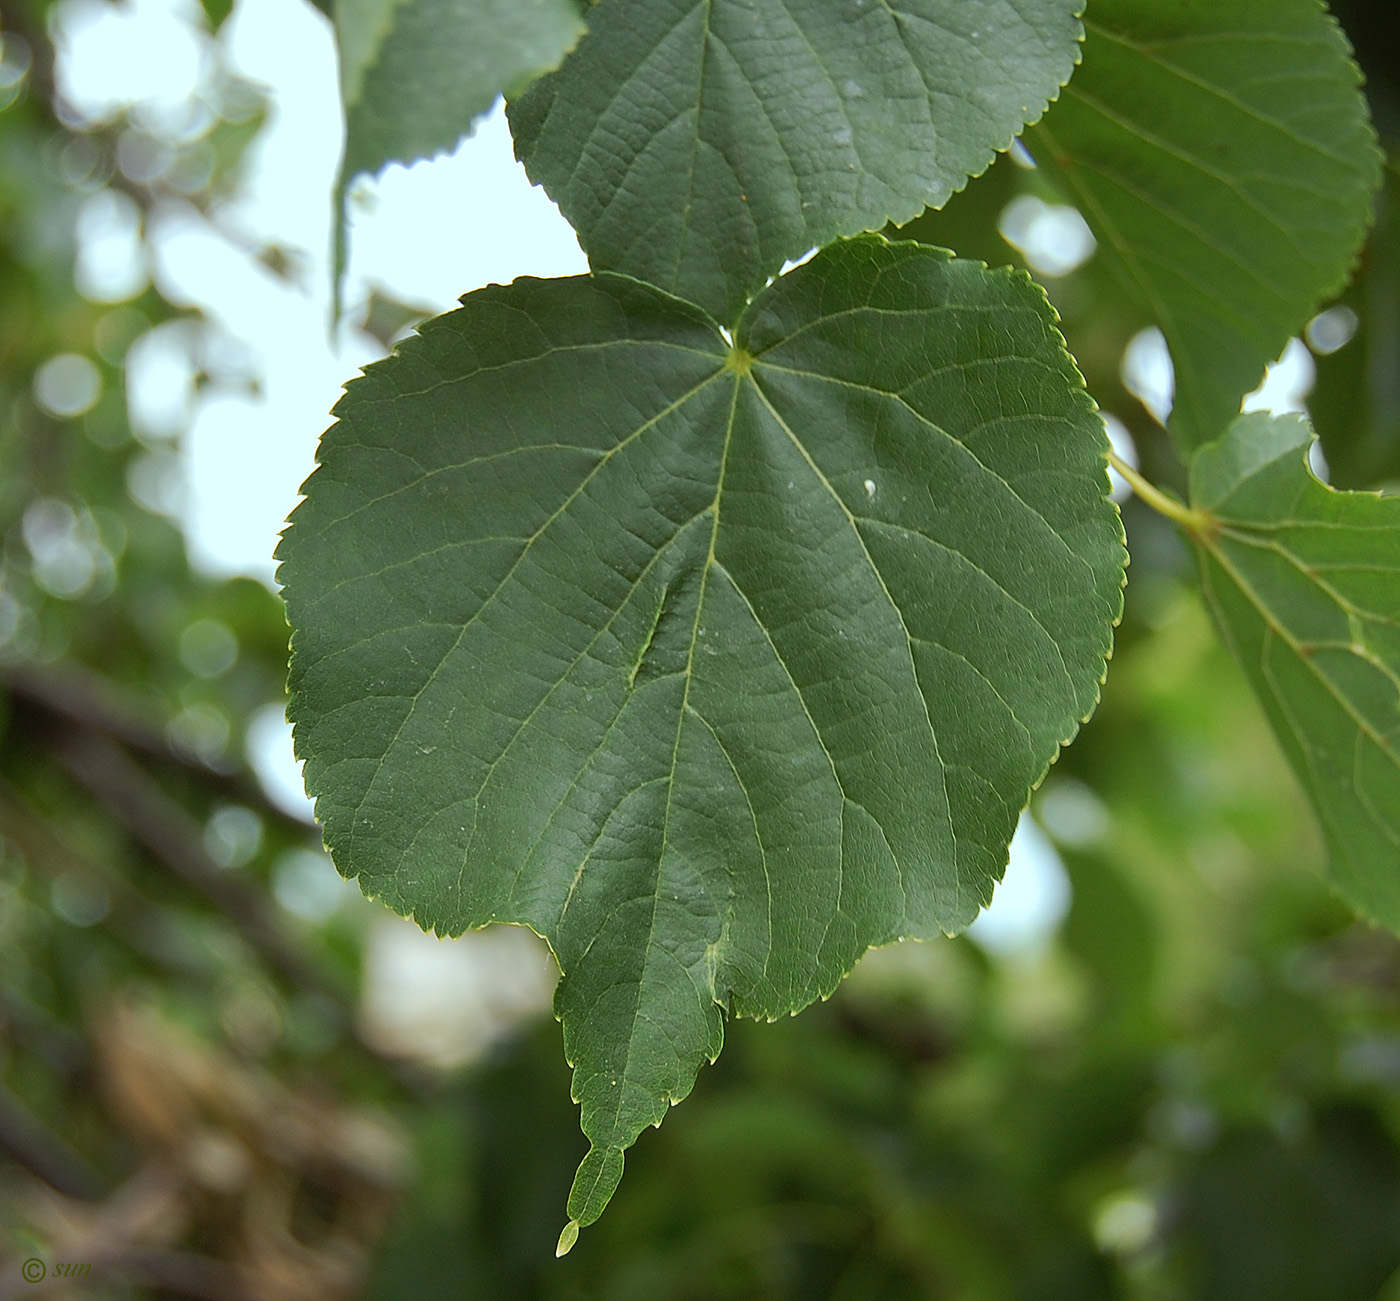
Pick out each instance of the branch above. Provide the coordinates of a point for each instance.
(81, 724)
(174, 839)
(76, 695)
(184, 1274)
(29, 1142)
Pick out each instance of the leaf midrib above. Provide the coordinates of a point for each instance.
(670, 778)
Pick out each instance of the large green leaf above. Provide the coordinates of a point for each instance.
(698, 144)
(1305, 585)
(714, 665)
(1222, 153)
(416, 74)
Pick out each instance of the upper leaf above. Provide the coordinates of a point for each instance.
(1305, 585)
(416, 74)
(1222, 152)
(714, 665)
(698, 144)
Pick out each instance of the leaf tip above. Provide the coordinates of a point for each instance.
(567, 1238)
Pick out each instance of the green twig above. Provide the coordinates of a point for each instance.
(1198, 522)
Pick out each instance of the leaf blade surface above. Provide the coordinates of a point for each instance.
(712, 665)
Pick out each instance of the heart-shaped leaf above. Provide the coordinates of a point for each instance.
(1222, 152)
(712, 664)
(1304, 583)
(698, 144)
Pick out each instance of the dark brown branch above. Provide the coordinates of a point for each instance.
(133, 917)
(84, 698)
(75, 695)
(30, 1144)
(78, 720)
(174, 839)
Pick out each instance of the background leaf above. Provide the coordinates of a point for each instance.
(698, 144)
(1355, 404)
(714, 666)
(416, 74)
(1222, 154)
(1305, 585)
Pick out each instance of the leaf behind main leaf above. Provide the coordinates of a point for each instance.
(1304, 583)
(1222, 152)
(699, 144)
(714, 665)
(416, 74)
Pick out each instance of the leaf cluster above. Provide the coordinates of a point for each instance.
(716, 618)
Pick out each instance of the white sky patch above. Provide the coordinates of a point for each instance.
(160, 375)
(246, 457)
(444, 1002)
(1287, 382)
(1031, 900)
(1148, 373)
(431, 232)
(111, 262)
(147, 52)
(797, 261)
(425, 235)
(1122, 443)
(286, 192)
(1052, 237)
(269, 746)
